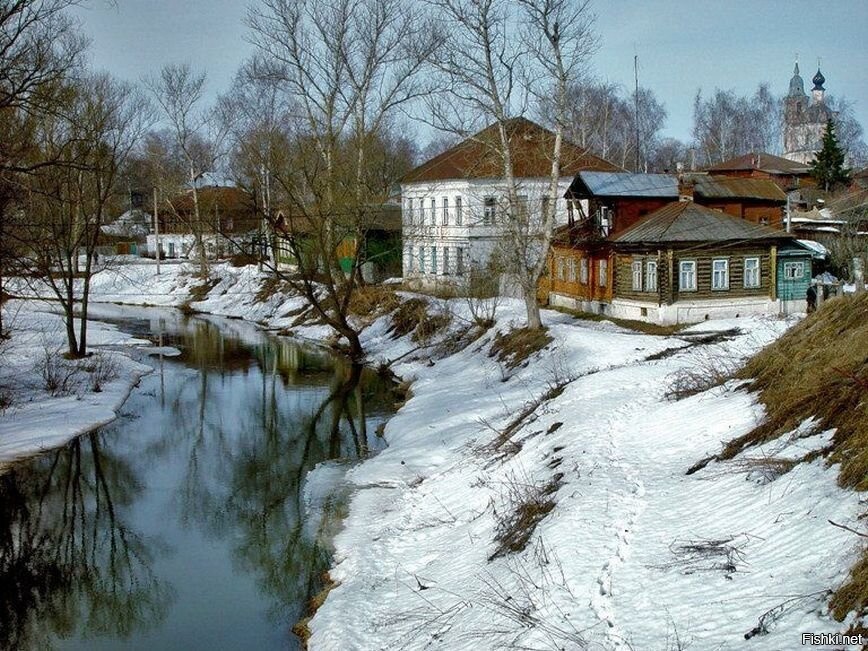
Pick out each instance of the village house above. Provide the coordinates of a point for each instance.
(680, 262)
(374, 240)
(788, 175)
(452, 204)
(231, 223)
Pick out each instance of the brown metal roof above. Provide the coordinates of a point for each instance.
(685, 221)
(479, 157)
(729, 187)
(760, 161)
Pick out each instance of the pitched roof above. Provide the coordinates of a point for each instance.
(627, 184)
(760, 161)
(478, 156)
(685, 221)
(729, 187)
(624, 184)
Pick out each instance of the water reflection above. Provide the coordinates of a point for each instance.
(189, 518)
(69, 560)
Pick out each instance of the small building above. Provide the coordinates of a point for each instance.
(787, 174)
(453, 203)
(616, 201)
(681, 263)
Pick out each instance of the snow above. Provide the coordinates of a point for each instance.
(635, 553)
(37, 420)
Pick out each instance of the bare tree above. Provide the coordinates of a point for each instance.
(346, 68)
(500, 58)
(89, 141)
(179, 92)
(727, 125)
(39, 45)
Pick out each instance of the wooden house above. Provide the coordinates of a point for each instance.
(681, 263)
(788, 175)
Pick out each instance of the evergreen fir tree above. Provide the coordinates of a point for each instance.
(828, 165)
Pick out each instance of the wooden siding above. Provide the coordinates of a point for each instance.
(590, 291)
(795, 289)
(736, 257)
(624, 276)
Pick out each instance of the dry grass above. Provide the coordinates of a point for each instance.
(820, 369)
(516, 346)
(374, 300)
(242, 260)
(526, 506)
(196, 294)
(271, 286)
(302, 627)
(407, 316)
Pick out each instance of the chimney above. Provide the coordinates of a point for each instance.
(685, 187)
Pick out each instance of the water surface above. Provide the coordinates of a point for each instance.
(185, 524)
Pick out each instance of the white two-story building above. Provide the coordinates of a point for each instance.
(452, 205)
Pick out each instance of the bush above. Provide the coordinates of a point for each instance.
(242, 260)
(60, 376)
(526, 505)
(408, 315)
(102, 368)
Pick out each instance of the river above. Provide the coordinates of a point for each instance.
(189, 523)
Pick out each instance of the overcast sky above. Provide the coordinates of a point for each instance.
(682, 45)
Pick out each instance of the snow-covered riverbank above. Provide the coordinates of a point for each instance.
(48, 400)
(623, 549)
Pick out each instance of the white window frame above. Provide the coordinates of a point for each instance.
(583, 271)
(459, 216)
(433, 260)
(561, 267)
(571, 269)
(422, 260)
(489, 211)
(651, 276)
(749, 281)
(459, 260)
(795, 264)
(687, 267)
(433, 211)
(410, 211)
(446, 270)
(720, 274)
(446, 211)
(637, 275)
(603, 273)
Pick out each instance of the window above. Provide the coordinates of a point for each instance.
(562, 268)
(603, 279)
(459, 218)
(489, 211)
(446, 269)
(408, 259)
(583, 271)
(422, 259)
(433, 212)
(459, 260)
(720, 274)
(687, 276)
(433, 259)
(637, 275)
(651, 276)
(445, 211)
(751, 272)
(794, 270)
(571, 270)
(408, 211)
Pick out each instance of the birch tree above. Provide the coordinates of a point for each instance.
(501, 58)
(179, 91)
(346, 68)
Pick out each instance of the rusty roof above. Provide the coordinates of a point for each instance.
(729, 187)
(478, 157)
(686, 221)
(760, 161)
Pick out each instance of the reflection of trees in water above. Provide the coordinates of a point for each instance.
(245, 470)
(69, 564)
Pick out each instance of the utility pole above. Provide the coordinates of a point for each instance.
(157, 230)
(636, 101)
